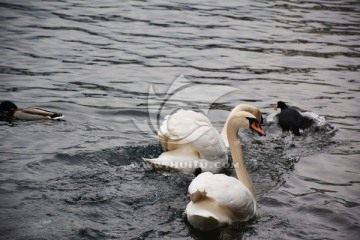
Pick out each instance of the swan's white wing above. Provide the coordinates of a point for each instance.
(227, 191)
(186, 126)
(183, 126)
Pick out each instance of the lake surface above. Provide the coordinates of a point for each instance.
(114, 69)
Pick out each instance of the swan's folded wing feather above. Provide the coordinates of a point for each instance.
(182, 125)
(186, 126)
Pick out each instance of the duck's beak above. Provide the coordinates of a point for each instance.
(256, 127)
(275, 107)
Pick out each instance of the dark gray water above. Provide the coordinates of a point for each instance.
(94, 61)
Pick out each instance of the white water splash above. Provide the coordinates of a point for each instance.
(319, 120)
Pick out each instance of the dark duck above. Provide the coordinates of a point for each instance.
(10, 110)
(290, 119)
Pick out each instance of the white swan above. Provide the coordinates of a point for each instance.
(217, 199)
(190, 142)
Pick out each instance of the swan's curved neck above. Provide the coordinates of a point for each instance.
(237, 156)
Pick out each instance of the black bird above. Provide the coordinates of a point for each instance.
(12, 111)
(289, 118)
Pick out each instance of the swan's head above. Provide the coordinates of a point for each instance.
(7, 106)
(244, 119)
(257, 113)
(255, 126)
(280, 105)
(251, 109)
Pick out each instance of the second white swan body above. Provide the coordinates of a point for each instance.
(217, 199)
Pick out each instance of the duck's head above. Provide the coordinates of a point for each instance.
(7, 106)
(280, 105)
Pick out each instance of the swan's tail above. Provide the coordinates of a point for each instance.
(203, 223)
(206, 214)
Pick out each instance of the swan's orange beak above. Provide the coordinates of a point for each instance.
(256, 127)
(275, 107)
